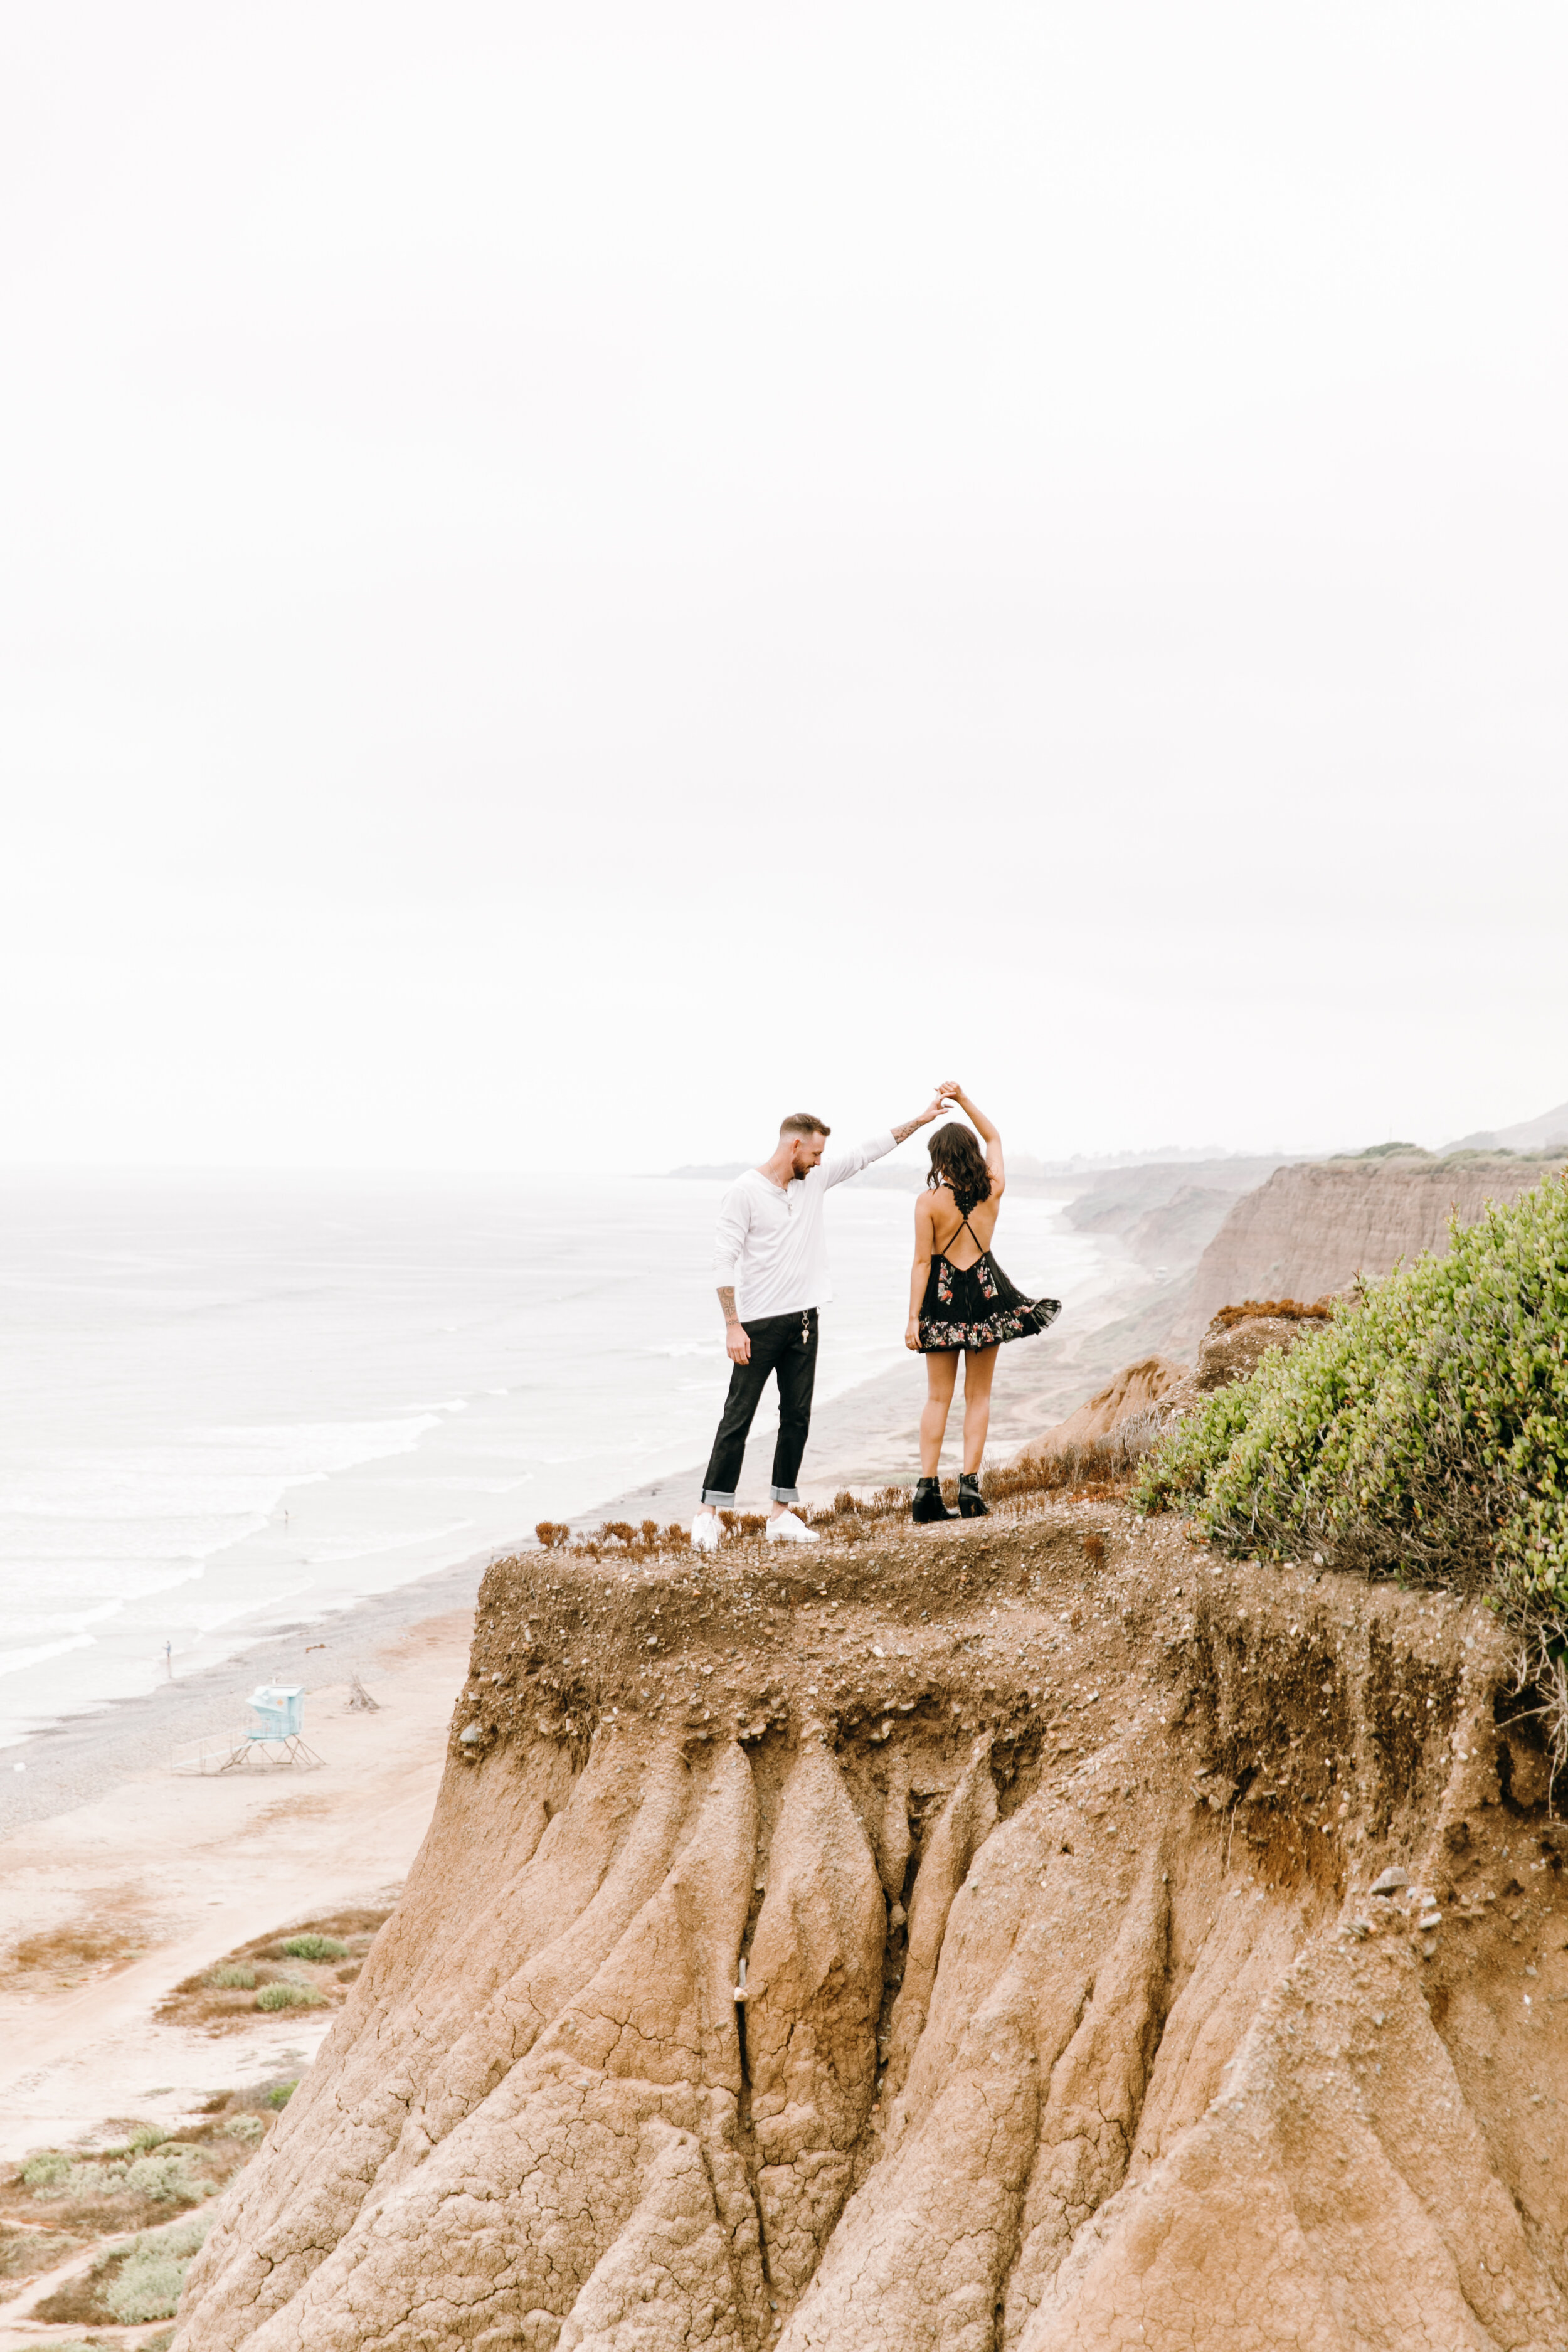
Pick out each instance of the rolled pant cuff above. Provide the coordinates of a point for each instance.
(784, 1494)
(712, 1501)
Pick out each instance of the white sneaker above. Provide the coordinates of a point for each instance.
(787, 1529)
(707, 1531)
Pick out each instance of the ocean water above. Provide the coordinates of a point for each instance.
(228, 1403)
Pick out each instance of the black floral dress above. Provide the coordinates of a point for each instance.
(977, 1306)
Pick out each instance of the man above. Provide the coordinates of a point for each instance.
(771, 1262)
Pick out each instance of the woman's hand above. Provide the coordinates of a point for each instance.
(950, 1091)
(912, 1334)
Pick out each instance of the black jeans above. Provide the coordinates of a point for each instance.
(785, 1344)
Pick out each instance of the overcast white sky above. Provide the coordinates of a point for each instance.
(574, 578)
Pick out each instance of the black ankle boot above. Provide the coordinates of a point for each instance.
(970, 1506)
(929, 1504)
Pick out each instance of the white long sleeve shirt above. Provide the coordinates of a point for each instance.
(771, 1247)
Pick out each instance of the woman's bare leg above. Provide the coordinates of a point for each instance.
(979, 1366)
(941, 1373)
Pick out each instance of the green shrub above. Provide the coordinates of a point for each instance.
(47, 2171)
(164, 2181)
(106, 2178)
(153, 2272)
(143, 2137)
(1425, 1431)
(314, 1948)
(280, 2094)
(248, 2129)
(289, 1996)
(231, 1978)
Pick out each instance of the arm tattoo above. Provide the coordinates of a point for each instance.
(727, 1301)
(902, 1134)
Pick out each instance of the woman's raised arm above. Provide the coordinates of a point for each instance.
(989, 1134)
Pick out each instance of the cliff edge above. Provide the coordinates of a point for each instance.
(1028, 1933)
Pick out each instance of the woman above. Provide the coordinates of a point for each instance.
(961, 1302)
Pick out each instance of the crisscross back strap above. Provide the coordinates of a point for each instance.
(964, 1227)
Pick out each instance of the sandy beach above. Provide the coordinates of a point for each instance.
(179, 1870)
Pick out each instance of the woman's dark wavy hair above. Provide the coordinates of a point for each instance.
(956, 1155)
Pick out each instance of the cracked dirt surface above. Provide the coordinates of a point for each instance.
(1045, 1850)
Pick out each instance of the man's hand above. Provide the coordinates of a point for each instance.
(933, 1110)
(737, 1341)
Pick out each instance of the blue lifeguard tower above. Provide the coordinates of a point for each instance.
(279, 1726)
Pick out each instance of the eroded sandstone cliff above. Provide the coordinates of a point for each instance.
(1042, 1855)
(1314, 1227)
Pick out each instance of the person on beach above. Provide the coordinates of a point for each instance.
(961, 1302)
(771, 1259)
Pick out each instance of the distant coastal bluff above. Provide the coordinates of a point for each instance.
(1314, 1227)
(1211, 1233)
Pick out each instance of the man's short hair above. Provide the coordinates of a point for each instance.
(804, 1122)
